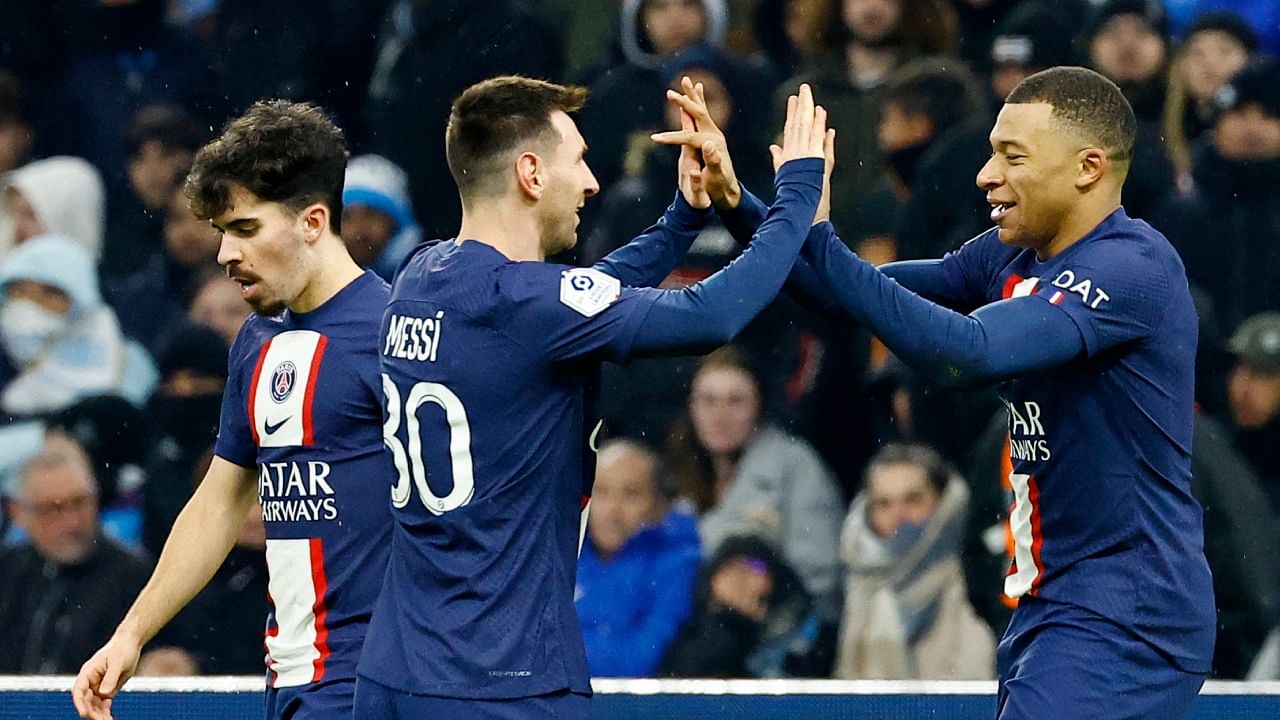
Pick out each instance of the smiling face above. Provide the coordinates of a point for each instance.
(263, 249)
(1031, 177)
(568, 183)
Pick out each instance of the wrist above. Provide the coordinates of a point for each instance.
(731, 198)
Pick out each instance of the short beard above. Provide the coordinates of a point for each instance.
(270, 309)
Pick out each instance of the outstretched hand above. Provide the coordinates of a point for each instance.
(804, 134)
(102, 676)
(705, 142)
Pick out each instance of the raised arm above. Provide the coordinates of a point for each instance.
(199, 542)
(995, 342)
(654, 253)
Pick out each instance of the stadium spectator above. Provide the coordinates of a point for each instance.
(1228, 230)
(1128, 41)
(67, 588)
(17, 133)
(872, 39)
(377, 217)
(981, 22)
(1217, 46)
(150, 301)
(58, 195)
(427, 54)
(745, 477)
(922, 103)
(1263, 16)
(751, 618)
(65, 342)
(184, 411)
(1034, 36)
(629, 96)
(216, 302)
(637, 566)
(1253, 396)
(1240, 543)
(907, 613)
(160, 142)
(167, 662)
(792, 33)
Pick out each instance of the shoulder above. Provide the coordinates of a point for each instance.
(783, 452)
(535, 285)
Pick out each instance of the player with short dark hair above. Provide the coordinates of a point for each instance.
(490, 361)
(1085, 318)
(301, 428)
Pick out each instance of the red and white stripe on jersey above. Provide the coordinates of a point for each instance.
(1027, 571)
(1017, 286)
(282, 392)
(298, 645)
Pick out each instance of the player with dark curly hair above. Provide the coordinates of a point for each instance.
(301, 428)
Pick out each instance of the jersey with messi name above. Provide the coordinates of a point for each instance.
(489, 366)
(303, 405)
(1103, 513)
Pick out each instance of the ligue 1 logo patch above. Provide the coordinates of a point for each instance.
(282, 381)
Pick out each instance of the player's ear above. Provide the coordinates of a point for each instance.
(529, 175)
(315, 218)
(1093, 165)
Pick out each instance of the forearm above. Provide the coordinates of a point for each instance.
(200, 539)
(927, 278)
(654, 253)
(803, 285)
(995, 342)
(711, 312)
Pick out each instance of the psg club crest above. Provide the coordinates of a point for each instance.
(282, 381)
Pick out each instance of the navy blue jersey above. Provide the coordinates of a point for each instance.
(1104, 517)
(303, 404)
(488, 369)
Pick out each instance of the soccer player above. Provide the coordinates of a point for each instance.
(1084, 315)
(301, 427)
(490, 357)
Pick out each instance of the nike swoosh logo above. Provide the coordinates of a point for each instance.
(272, 428)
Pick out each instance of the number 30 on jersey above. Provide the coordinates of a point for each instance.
(410, 468)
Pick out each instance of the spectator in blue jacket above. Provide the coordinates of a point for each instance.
(638, 563)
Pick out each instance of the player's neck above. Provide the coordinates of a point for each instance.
(334, 271)
(1077, 225)
(507, 230)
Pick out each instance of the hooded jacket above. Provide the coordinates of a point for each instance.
(91, 356)
(67, 195)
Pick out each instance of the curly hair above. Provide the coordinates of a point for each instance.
(281, 151)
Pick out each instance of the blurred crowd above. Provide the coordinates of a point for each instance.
(796, 505)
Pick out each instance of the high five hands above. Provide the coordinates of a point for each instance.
(705, 166)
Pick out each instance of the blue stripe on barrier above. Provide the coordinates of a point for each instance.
(32, 705)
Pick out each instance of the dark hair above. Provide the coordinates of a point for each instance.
(12, 104)
(944, 92)
(689, 462)
(281, 151)
(495, 116)
(1088, 102)
(169, 125)
(937, 470)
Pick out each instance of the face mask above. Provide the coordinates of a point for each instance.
(26, 328)
(905, 161)
(906, 537)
